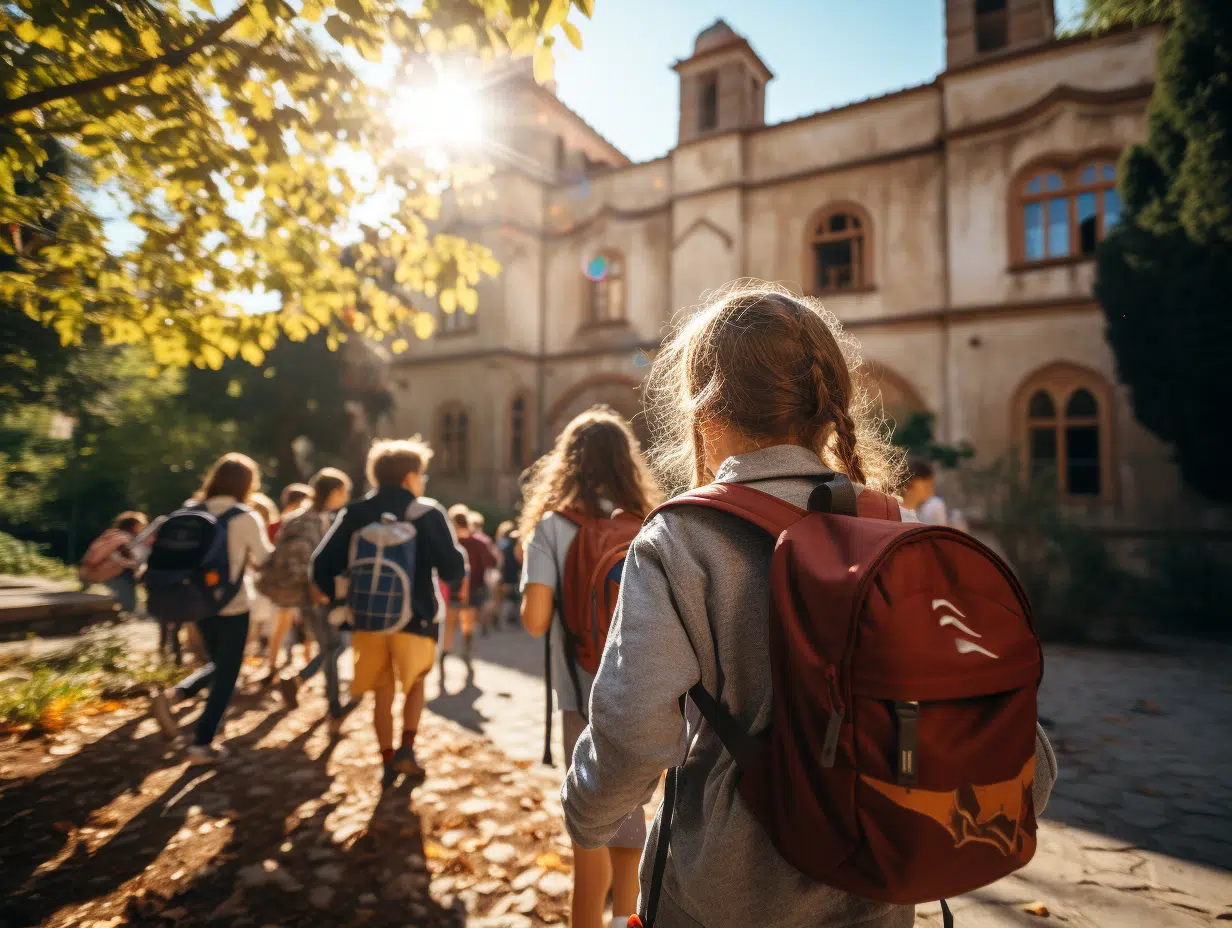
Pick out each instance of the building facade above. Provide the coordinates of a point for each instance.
(949, 226)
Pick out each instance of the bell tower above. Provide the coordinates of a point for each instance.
(975, 29)
(722, 85)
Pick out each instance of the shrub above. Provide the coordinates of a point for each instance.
(25, 559)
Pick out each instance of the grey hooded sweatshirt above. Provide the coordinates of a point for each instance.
(694, 605)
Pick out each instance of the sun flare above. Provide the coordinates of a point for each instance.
(442, 118)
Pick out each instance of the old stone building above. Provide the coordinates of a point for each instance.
(950, 226)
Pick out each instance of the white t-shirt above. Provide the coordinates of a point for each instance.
(544, 562)
(933, 511)
(247, 543)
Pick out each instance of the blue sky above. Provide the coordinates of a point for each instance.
(823, 53)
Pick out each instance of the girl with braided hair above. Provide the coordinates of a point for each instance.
(756, 388)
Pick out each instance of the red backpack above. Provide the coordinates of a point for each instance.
(587, 594)
(900, 758)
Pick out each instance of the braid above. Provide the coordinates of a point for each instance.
(700, 474)
(846, 444)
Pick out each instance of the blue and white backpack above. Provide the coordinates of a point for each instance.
(381, 571)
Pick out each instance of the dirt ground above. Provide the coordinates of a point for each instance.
(105, 825)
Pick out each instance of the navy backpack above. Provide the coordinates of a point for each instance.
(188, 575)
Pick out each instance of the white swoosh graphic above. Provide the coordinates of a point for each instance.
(950, 620)
(949, 605)
(964, 646)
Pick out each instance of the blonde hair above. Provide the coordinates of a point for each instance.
(774, 367)
(266, 507)
(390, 462)
(596, 457)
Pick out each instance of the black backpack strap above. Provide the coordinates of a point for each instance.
(947, 917)
(661, 848)
(547, 679)
(742, 746)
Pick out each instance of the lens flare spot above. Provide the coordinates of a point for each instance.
(596, 268)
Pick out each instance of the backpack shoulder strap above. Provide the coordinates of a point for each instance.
(874, 505)
(570, 516)
(767, 512)
(236, 510)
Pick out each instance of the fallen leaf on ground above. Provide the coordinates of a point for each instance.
(550, 861)
(1037, 909)
(63, 827)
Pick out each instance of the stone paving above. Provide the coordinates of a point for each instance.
(1139, 828)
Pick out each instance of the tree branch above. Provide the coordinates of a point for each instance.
(172, 59)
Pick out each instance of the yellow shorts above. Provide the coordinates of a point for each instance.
(381, 658)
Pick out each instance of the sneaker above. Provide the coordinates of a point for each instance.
(160, 708)
(404, 762)
(289, 687)
(390, 776)
(201, 755)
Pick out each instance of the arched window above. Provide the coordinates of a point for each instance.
(1066, 212)
(454, 445)
(605, 278)
(458, 322)
(519, 434)
(1066, 430)
(838, 251)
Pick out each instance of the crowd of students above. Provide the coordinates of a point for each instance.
(755, 393)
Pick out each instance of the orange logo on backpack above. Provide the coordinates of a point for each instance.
(994, 814)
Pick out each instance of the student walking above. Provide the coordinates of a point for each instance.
(509, 544)
(920, 493)
(224, 586)
(595, 470)
(300, 536)
(755, 394)
(112, 559)
(470, 595)
(397, 471)
(491, 575)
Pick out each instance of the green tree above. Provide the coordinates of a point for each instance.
(234, 144)
(1165, 271)
(1104, 14)
(302, 390)
(136, 445)
(916, 437)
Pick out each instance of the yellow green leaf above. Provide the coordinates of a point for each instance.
(27, 31)
(424, 325)
(399, 345)
(206, 5)
(572, 34)
(252, 353)
(109, 42)
(468, 299)
(544, 64)
(449, 300)
(556, 14)
(158, 82)
(52, 38)
(149, 41)
(586, 6)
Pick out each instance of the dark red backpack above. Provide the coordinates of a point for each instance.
(900, 758)
(587, 595)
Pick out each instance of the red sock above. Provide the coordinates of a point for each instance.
(408, 738)
(387, 754)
